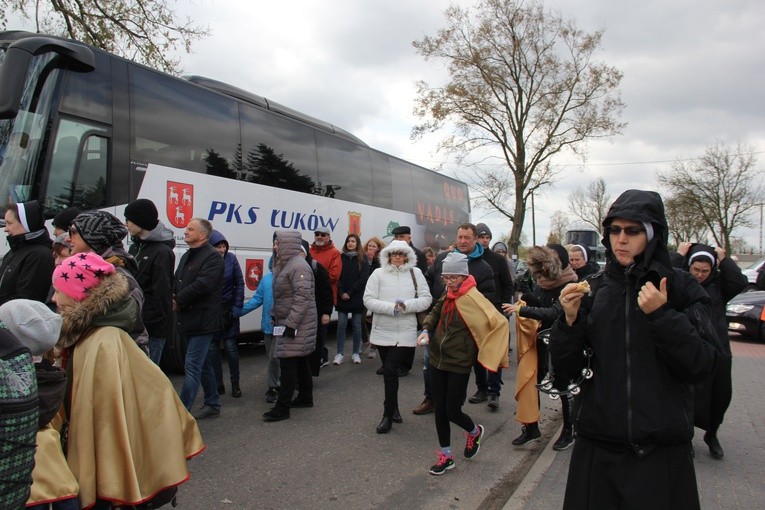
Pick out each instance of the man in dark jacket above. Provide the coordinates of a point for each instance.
(488, 383)
(723, 280)
(27, 268)
(479, 269)
(635, 422)
(197, 303)
(152, 250)
(323, 294)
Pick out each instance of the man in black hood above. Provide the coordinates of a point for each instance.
(635, 423)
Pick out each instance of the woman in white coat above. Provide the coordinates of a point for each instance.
(394, 294)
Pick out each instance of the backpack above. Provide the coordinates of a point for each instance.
(18, 421)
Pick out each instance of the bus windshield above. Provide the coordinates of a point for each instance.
(22, 137)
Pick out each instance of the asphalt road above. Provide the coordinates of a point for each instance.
(331, 457)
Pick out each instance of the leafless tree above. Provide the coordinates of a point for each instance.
(142, 30)
(559, 223)
(524, 85)
(590, 204)
(685, 222)
(722, 187)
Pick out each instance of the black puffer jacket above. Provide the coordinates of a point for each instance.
(353, 281)
(26, 270)
(643, 365)
(197, 291)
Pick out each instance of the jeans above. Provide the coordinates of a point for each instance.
(199, 368)
(486, 381)
(342, 325)
(156, 346)
(392, 358)
(273, 362)
(232, 358)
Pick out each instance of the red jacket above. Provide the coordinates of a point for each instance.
(329, 257)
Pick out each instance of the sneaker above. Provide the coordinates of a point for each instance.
(493, 402)
(324, 362)
(443, 465)
(715, 450)
(206, 412)
(478, 397)
(473, 443)
(426, 406)
(565, 440)
(338, 359)
(528, 433)
(372, 354)
(272, 395)
(356, 359)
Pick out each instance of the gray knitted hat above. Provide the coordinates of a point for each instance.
(455, 263)
(32, 323)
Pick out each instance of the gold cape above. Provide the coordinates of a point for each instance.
(129, 434)
(51, 478)
(489, 328)
(526, 393)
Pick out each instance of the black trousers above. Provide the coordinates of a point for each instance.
(712, 398)
(449, 390)
(294, 373)
(393, 358)
(602, 479)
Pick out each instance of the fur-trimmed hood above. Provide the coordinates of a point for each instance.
(411, 257)
(108, 304)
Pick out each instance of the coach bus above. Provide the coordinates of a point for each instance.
(81, 127)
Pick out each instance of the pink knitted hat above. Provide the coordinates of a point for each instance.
(80, 273)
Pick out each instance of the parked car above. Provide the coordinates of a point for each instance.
(744, 314)
(751, 270)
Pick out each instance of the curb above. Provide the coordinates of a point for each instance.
(523, 493)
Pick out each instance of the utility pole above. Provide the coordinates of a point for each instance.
(534, 222)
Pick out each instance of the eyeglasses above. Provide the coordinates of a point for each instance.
(632, 230)
(398, 254)
(73, 231)
(451, 277)
(320, 234)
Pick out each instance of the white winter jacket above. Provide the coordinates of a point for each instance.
(384, 287)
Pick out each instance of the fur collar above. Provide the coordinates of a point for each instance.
(102, 300)
(411, 257)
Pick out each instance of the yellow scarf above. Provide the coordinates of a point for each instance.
(526, 393)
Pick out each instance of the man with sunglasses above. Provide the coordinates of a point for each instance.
(635, 420)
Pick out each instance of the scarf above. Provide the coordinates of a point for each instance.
(567, 276)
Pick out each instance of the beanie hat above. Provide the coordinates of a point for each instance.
(455, 263)
(143, 213)
(30, 215)
(32, 323)
(80, 273)
(562, 254)
(100, 229)
(483, 230)
(499, 246)
(63, 220)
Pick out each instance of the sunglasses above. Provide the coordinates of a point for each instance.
(320, 234)
(616, 230)
(73, 231)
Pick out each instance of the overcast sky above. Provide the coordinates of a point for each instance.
(693, 73)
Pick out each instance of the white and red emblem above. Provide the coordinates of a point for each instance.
(180, 203)
(253, 273)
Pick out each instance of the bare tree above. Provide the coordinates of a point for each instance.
(590, 204)
(685, 222)
(722, 187)
(523, 86)
(143, 30)
(559, 223)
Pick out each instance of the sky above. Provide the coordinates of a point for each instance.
(693, 74)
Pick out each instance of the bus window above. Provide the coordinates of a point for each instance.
(345, 169)
(78, 167)
(183, 127)
(383, 192)
(401, 179)
(89, 95)
(277, 151)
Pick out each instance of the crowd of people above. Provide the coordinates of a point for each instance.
(86, 314)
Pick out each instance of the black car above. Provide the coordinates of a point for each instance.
(744, 314)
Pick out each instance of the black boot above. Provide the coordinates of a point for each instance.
(221, 389)
(385, 425)
(276, 414)
(529, 432)
(715, 450)
(235, 391)
(396, 417)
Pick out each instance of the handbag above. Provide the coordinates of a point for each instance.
(420, 315)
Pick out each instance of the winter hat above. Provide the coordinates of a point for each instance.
(80, 273)
(63, 220)
(499, 246)
(32, 323)
(455, 263)
(30, 215)
(483, 230)
(306, 247)
(100, 229)
(702, 252)
(401, 230)
(322, 230)
(562, 254)
(143, 213)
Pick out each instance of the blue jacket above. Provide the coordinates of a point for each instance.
(232, 289)
(264, 296)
